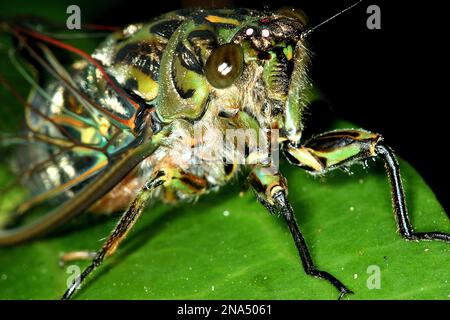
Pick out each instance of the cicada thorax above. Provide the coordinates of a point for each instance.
(161, 64)
(165, 63)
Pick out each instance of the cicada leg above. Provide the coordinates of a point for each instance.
(340, 148)
(271, 190)
(172, 179)
(119, 233)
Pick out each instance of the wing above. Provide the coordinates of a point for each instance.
(81, 136)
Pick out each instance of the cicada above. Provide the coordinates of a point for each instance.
(148, 114)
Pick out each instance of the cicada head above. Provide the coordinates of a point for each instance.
(267, 61)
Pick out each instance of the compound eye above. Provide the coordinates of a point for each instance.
(224, 65)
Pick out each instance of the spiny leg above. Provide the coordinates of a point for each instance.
(174, 179)
(119, 233)
(341, 148)
(271, 191)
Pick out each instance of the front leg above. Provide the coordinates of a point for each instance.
(341, 148)
(271, 191)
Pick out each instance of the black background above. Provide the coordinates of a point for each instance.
(168, 308)
(391, 81)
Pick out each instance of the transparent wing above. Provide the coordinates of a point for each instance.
(74, 129)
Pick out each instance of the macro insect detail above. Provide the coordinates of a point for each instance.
(117, 128)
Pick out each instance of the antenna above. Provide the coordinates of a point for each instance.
(307, 32)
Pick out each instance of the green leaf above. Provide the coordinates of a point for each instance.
(227, 246)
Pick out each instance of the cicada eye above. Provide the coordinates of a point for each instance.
(224, 65)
